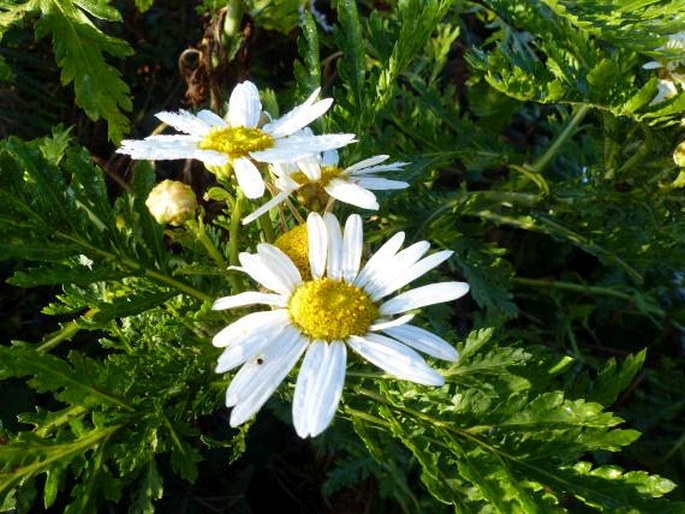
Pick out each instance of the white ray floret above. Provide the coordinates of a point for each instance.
(336, 307)
(352, 185)
(238, 140)
(671, 71)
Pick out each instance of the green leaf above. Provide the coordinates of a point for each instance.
(77, 384)
(350, 41)
(150, 490)
(79, 47)
(308, 72)
(144, 5)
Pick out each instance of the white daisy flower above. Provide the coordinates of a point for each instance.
(239, 140)
(341, 305)
(319, 177)
(672, 72)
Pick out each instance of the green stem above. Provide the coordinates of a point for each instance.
(234, 233)
(198, 229)
(267, 228)
(581, 288)
(541, 163)
(65, 333)
(135, 266)
(458, 433)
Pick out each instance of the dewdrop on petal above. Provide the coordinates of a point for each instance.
(679, 155)
(171, 202)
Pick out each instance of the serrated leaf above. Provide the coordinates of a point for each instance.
(308, 72)
(79, 47)
(71, 384)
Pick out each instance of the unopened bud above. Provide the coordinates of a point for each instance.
(171, 202)
(679, 155)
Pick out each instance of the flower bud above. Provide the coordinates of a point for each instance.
(679, 155)
(171, 202)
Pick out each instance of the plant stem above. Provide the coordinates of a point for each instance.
(267, 228)
(65, 333)
(541, 163)
(201, 234)
(132, 265)
(581, 288)
(234, 233)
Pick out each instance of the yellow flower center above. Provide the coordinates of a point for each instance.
(295, 244)
(236, 141)
(327, 174)
(312, 193)
(329, 309)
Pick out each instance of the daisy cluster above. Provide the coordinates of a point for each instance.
(321, 298)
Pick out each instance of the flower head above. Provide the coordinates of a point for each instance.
(319, 177)
(171, 202)
(672, 72)
(340, 305)
(239, 140)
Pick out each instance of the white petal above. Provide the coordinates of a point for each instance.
(249, 298)
(279, 198)
(382, 325)
(299, 117)
(353, 240)
(665, 89)
(412, 273)
(282, 169)
(243, 327)
(249, 177)
(393, 166)
(256, 371)
(242, 350)
(330, 158)
(310, 167)
(395, 267)
(381, 184)
(300, 146)
(244, 106)
(348, 192)
(262, 386)
(280, 263)
(264, 272)
(424, 341)
(212, 119)
(283, 152)
(396, 358)
(326, 142)
(422, 296)
(183, 121)
(160, 148)
(371, 161)
(318, 244)
(334, 260)
(379, 259)
(319, 387)
(652, 65)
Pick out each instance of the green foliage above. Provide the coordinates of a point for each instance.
(535, 154)
(507, 443)
(79, 47)
(557, 52)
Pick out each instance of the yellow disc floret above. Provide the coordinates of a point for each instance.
(327, 174)
(312, 193)
(295, 244)
(330, 310)
(236, 141)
